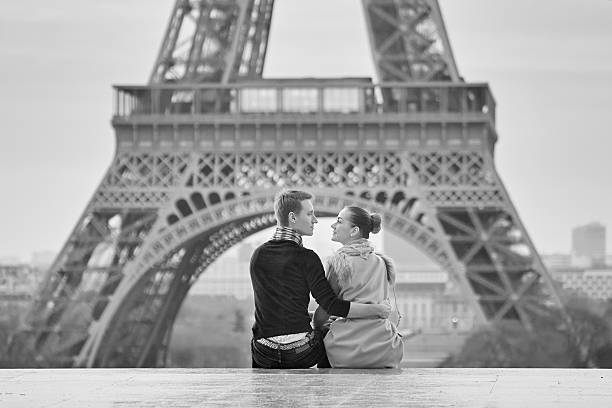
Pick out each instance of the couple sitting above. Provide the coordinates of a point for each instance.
(356, 290)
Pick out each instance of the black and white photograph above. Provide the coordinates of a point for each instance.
(304, 203)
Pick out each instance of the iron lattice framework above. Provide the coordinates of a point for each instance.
(202, 149)
(214, 41)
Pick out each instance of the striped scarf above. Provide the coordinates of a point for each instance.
(286, 234)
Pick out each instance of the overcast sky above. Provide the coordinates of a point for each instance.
(548, 62)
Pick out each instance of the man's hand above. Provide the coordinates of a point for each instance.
(319, 318)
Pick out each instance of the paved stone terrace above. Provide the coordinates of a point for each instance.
(487, 388)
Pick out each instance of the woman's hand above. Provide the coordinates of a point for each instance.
(368, 310)
(385, 309)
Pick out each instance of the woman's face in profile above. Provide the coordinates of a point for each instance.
(343, 230)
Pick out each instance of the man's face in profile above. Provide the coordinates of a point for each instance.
(305, 219)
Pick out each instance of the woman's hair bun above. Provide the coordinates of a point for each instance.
(376, 220)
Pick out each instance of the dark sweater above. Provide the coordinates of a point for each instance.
(283, 276)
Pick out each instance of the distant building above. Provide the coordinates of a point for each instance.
(430, 302)
(10, 260)
(19, 280)
(589, 245)
(557, 261)
(18, 284)
(592, 283)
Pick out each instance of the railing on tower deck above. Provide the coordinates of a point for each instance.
(270, 97)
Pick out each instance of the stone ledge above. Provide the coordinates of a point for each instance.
(451, 387)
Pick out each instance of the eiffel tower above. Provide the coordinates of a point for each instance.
(201, 150)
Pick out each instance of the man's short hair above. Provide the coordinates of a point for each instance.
(287, 201)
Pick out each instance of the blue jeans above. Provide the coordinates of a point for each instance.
(303, 353)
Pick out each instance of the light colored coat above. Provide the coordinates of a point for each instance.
(362, 276)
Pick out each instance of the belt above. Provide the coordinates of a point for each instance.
(288, 346)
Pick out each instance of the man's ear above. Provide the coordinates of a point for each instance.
(291, 216)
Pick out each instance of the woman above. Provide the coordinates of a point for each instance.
(357, 274)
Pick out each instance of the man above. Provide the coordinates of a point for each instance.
(284, 273)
